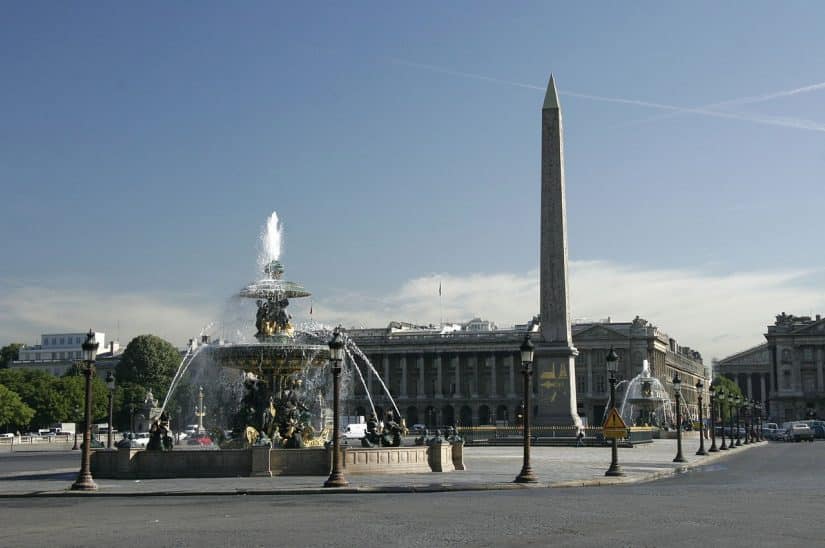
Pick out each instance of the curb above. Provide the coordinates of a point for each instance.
(392, 489)
(653, 476)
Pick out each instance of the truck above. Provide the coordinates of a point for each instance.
(63, 428)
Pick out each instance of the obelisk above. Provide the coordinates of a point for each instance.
(555, 356)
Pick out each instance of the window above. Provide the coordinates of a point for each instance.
(62, 341)
(54, 355)
(786, 379)
(581, 383)
(809, 354)
(599, 381)
(54, 341)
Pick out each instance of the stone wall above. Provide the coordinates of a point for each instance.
(265, 462)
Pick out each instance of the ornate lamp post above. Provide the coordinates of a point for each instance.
(110, 384)
(759, 436)
(732, 415)
(84, 480)
(747, 407)
(199, 411)
(75, 447)
(738, 418)
(526, 475)
(712, 406)
(701, 451)
(677, 391)
(722, 397)
(612, 364)
(336, 357)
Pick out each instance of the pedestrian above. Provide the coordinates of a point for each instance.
(580, 438)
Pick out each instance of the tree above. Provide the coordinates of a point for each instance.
(39, 390)
(72, 387)
(9, 353)
(729, 387)
(149, 362)
(14, 414)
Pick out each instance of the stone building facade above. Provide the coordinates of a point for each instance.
(471, 376)
(787, 373)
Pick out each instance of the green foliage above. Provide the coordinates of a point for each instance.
(128, 401)
(149, 362)
(9, 353)
(729, 387)
(54, 399)
(39, 390)
(14, 414)
(73, 388)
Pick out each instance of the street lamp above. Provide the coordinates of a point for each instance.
(526, 475)
(336, 357)
(677, 391)
(701, 451)
(110, 384)
(712, 393)
(747, 406)
(75, 447)
(738, 418)
(612, 364)
(731, 416)
(722, 397)
(759, 436)
(84, 480)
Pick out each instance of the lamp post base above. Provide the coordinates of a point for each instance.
(84, 482)
(701, 452)
(614, 470)
(526, 476)
(680, 458)
(336, 479)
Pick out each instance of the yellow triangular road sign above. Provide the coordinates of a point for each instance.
(613, 420)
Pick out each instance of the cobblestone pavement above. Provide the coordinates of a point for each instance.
(487, 468)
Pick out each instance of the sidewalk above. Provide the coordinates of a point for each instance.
(488, 468)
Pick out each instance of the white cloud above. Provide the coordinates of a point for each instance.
(28, 311)
(715, 314)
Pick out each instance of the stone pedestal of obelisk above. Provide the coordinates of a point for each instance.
(555, 355)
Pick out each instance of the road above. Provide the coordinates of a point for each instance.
(772, 496)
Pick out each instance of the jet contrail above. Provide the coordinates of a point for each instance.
(731, 102)
(794, 123)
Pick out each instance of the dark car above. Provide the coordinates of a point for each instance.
(818, 428)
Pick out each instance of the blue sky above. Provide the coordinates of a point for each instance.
(400, 146)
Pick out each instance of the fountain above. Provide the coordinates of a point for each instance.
(646, 402)
(283, 425)
(284, 370)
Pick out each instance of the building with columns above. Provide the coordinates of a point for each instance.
(787, 372)
(471, 375)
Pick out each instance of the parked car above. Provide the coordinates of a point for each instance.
(141, 439)
(799, 431)
(199, 439)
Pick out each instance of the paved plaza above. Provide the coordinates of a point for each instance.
(35, 473)
(770, 495)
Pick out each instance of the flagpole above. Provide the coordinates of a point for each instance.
(440, 306)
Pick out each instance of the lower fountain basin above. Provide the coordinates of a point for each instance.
(265, 462)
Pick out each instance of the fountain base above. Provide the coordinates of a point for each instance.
(262, 461)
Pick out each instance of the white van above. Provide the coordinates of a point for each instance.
(355, 430)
